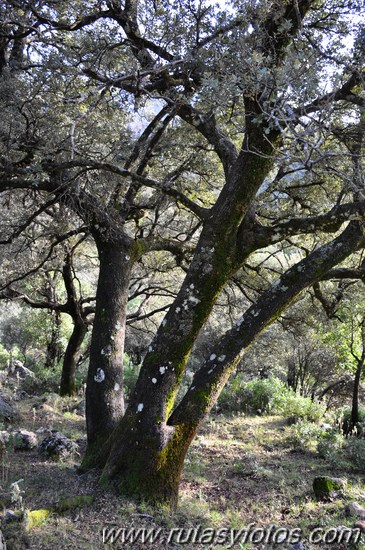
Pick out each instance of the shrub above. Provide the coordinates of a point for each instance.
(344, 420)
(355, 451)
(44, 381)
(330, 444)
(327, 441)
(251, 397)
(295, 407)
(268, 396)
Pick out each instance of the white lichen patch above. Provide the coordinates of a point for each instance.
(178, 309)
(284, 288)
(154, 380)
(192, 286)
(106, 351)
(116, 387)
(150, 348)
(212, 357)
(99, 376)
(221, 358)
(193, 300)
(239, 323)
(210, 371)
(140, 407)
(162, 370)
(164, 323)
(117, 325)
(127, 257)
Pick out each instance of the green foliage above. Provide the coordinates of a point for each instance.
(131, 373)
(4, 357)
(251, 397)
(330, 444)
(344, 419)
(355, 452)
(295, 407)
(268, 396)
(44, 381)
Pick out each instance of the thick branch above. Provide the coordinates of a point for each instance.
(214, 373)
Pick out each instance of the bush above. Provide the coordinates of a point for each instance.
(295, 407)
(344, 420)
(330, 444)
(355, 452)
(327, 441)
(256, 396)
(268, 396)
(4, 357)
(44, 381)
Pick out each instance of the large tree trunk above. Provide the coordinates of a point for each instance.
(72, 354)
(145, 454)
(104, 393)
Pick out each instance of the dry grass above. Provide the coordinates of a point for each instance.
(239, 471)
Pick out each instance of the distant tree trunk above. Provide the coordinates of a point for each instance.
(54, 352)
(104, 393)
(71, 357)
(355, 395)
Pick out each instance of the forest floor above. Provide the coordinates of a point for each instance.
(239, 471)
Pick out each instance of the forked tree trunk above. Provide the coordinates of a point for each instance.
(104, 393)
(144, 456)
(72, 354)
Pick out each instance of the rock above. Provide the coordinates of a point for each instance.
(18, 370)
(19, 395)
(80, 409)
(354, 509)
(24, 440)
(11, 515)
(4, 437)
(2, 542)
(6, 411)
(360, 525)
(57, 446)
(82, 445)
(327, 488)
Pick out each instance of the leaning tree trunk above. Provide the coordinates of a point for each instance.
(144, 456)
(104, 392)
(72, 354)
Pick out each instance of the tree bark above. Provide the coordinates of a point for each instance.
(104, 393)
(72, 354)
(54, 352)
(355, 395)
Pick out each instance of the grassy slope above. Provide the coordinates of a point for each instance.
(240, 470)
